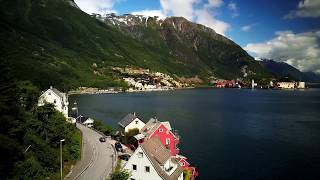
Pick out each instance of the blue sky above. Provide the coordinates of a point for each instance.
(265, 28)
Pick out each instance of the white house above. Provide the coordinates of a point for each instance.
(87, 121)
(57, 98)
(152, 160)
(131, 121)
(286, 85)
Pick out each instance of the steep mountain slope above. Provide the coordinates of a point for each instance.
(190, 43)
(282, 70)
(54, 42)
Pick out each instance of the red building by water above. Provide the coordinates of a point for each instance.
(164, 132)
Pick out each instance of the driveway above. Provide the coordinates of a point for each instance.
(96, 158)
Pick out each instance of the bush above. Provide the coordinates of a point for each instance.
(119, 174)
(105, 129)
(129, 136)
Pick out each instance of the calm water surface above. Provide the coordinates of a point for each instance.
(229, 133)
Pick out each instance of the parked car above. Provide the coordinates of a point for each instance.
(102, 139)
(118, 146)
(125, 157)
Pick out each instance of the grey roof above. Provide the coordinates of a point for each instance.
(158, 155)
(127, 120)
(57, 92)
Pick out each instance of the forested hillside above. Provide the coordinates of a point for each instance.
(55, 43)
(23, 125)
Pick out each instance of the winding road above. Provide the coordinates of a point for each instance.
(96, 158)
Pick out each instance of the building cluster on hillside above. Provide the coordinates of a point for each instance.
(157, 155)
(140, 79)
(291, 85)
(228, 84)
(274, 85)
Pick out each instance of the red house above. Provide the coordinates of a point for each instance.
(186, 166)
(164, 132)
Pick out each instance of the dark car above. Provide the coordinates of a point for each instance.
(118, 146)
(102, 139)
(125, 157)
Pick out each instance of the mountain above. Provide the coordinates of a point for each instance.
(52, 42)
(282, 70)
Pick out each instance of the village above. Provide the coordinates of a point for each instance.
(139, 79)
(147, 150)
(272, 84)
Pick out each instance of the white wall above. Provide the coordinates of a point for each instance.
(133, 125)
(141, 162)
(50, 97)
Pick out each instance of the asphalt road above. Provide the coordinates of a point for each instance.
(96, 158)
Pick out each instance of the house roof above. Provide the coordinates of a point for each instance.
(87, 121)
(152, 125)
(167, 125)
(159, 155)
(57, 92)
(127, 120)
(83, 119)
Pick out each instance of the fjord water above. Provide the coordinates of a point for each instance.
(229, 133)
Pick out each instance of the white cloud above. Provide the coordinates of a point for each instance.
(246, 28)
(204, 17)
(188, 10)
(299, 50)
(306, 8)
(193, 10)
(97, 6)
(150, 13)
(215, 3)
(182, 8)
(234, 8)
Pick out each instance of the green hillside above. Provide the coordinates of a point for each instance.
(51, 42)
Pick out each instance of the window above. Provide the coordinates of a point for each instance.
(160, 130)
(140, 154)
(167, 141)
(183, 164)
(134, 167)
(54, 101)
(49, 93)
(147, 168)
(137, 122)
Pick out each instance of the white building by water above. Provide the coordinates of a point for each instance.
(54, 96)
(153, 161)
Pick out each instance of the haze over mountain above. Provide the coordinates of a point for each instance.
(54, 42)
(283, 70)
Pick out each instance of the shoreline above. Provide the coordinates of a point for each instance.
(105, 91)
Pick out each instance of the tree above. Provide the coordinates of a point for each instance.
(120, 175)
(105, 129)
(129, 136)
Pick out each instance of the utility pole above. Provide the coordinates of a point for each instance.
(62, 140)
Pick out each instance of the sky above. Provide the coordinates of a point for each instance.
(283, 30)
